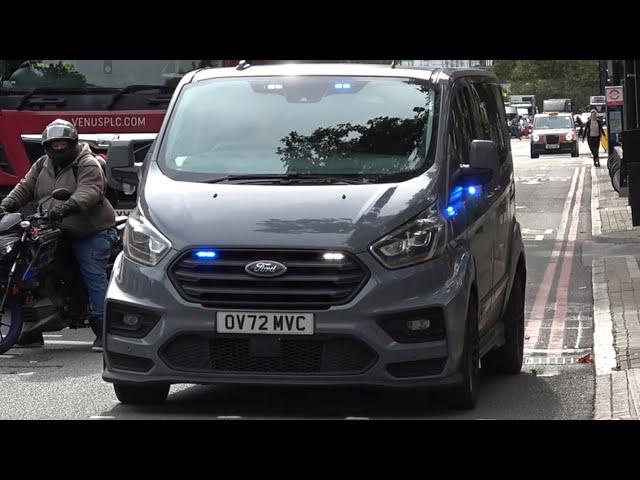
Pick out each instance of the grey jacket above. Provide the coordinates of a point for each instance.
(96, 213)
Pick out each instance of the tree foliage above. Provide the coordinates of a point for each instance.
(575, 79)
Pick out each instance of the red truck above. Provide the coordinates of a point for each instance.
(105, 99)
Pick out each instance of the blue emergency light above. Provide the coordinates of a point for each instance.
(206, 254)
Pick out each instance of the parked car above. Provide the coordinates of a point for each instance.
(320, 225)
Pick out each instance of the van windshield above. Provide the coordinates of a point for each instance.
(374, 129)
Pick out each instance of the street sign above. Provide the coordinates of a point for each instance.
(614, 95)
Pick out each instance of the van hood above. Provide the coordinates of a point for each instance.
(281, 216)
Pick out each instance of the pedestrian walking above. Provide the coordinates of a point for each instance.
(593, 131)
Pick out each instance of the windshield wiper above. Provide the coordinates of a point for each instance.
(54, 90)
(137, 88)
(285, 178)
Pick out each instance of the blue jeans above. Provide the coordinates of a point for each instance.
(92, 254)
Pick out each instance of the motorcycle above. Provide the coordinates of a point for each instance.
(41, 287)
(515, 132)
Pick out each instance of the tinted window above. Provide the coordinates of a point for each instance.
(461, 130)
(370, 127)
(489, 115)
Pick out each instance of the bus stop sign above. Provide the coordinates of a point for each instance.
(614, 95)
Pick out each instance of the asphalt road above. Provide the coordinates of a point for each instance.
(62, 381)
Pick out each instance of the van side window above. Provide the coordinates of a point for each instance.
(491, 119)
(460, 131)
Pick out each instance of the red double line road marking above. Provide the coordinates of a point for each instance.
(562, 292)
(532, 331)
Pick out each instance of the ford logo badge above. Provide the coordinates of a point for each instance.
(265, 268)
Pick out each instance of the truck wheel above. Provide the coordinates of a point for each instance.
(141, 394)
(534, 155)
(508, 358)
(465, 395)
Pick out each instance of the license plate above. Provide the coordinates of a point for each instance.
(552, 147)
(265, 323)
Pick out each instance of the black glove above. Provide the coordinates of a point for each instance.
(9, 205)
(57, 213)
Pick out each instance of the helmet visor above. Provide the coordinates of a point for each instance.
(58, 132)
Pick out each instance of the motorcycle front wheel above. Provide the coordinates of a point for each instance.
(10, 325)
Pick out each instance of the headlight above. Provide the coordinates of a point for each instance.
(569, 136)
(142, 242)
(536, 138)
(417, 241)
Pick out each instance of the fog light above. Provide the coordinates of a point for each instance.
(133, 321)
(420, 324)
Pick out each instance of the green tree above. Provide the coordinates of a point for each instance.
(575, 79)
(503, 69)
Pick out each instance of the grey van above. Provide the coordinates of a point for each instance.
(320, 225)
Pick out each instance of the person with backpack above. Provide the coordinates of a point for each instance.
(86, 219)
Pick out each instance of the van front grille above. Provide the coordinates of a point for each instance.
(310, 281)
(223, 354)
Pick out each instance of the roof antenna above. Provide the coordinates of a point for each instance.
(243, 65)
(393, 64)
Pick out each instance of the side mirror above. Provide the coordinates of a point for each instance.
(122, 173)
(61, 194)
(483, 154)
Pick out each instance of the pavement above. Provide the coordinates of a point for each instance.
(616, 301)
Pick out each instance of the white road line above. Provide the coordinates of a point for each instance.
(6, 355)
(100, 417)
(357, 418)
(579, 330)
(24, 374)
(603, 351)
(596, 222)
(554, 351)
(229, 417)
(33, 361)
(47, 335)
(66, 342)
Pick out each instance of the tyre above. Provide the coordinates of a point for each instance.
(10, 325)
(508, 358)
(465, 395)
(141, 394)
(534, 155)
(575, 152)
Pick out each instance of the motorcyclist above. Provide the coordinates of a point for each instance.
(87, 219)
(515, 128)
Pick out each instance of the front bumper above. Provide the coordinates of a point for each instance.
(442, 283)
(564, 147)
